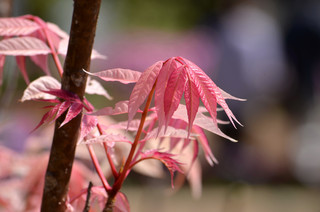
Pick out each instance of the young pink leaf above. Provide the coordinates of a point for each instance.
(202, 121)
(2, 60)
(205, 145)
(168, 67)
(42, 62)
(57, 30)
(207, 123)
(209, 93)
(192, 99)
(35, 89)
(48, 116)
(98, 200)
(73, 111)
(195, 150)
(87, 105)
(121, 203)
(120, 108)
(51, 37)
(98, 197)
(17, 26)
(205, 88)
(174, 92)
(166, 158)
(63, 107)
(169, 132)
(229, 96)
(88, 123)
(110, 138)
(63, 94)
(94, 87)
(134, 124)
(194, 179)
(124, 76)
(142, 89)
(21, 62)
(24, 46)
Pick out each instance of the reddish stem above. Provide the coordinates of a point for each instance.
(112, 166)
(51, 46)
(98, 168)
(143, 144)
(54, 53)
(126, 169)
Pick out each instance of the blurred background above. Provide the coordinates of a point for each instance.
(265, 51)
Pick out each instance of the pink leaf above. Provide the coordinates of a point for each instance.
(195, 180)
(35, 89)
(202, 121)
(229, 96)
(192, 99)
(168, 67)
(21, 62)
(166, 158)
(209, 93)
(88, 106)
(121, 203)
(63, 107)
(42, 62)
(134, 124)
(47, 116)
(207, 123)
(98, 200)
(57, 30)
(94, 87)
(169, 132)
(2, 60)
(88, 123)
(142, 89)
(98, 197)
(63, 94)
(110, 138)
(17, 26)
(124, 76)
(205, 145)
(205, 90)
(173, 92)
(73, 111)
(120, 108)
(24, 46)
(195, 150)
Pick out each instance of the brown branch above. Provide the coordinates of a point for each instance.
(83, 27)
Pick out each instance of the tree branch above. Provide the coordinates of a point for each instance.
(64, 142)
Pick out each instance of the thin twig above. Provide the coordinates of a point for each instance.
(98, 169)
(87, 205)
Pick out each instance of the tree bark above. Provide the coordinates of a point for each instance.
(83, 27)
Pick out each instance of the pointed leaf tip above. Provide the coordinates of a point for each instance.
(142, 88)
(124, 76)
(73, 111)
(166, 158)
